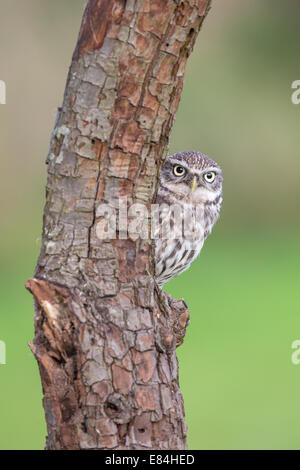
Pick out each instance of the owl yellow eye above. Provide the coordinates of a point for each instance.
(179, 170)
(210, 176)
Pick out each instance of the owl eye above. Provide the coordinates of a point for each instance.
(210, 176)
(179, 170)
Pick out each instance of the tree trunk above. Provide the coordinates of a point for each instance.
(105, 336)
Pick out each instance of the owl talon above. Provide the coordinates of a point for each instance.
(148, 272)
(184, 302)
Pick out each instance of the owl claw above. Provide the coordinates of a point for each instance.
(148, 272)
(184, 302)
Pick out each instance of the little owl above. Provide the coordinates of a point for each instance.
(190, 193)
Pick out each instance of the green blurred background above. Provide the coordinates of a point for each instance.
(240, 387)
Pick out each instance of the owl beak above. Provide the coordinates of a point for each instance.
(194, 184)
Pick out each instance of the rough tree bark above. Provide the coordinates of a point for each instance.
(105, 338)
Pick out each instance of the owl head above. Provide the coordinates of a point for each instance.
(191, 176)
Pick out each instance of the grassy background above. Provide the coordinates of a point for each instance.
(240, 387)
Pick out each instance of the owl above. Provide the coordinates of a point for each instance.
(189, 199)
